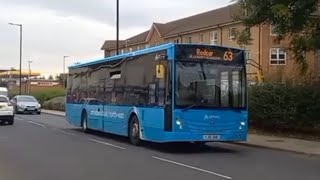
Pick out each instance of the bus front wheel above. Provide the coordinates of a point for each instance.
(134, 131)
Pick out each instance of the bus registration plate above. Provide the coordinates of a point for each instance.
(211, 137)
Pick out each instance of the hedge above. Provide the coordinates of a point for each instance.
(285, 107)
(57, 103)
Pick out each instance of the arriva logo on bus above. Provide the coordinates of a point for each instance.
(211, 117)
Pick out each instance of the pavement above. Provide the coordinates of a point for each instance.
(279, 143)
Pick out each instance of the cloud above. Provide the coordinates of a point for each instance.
(54, 28)
(132, 13)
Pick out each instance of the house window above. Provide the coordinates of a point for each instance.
(278, 56)
(273, 30)
(147, 45)
(122, 51)
(138, 48)
(214, 37)
(176, 41)
(248, 55)
(189, 39)
(201, 38)
(130, 49)
(232, 33)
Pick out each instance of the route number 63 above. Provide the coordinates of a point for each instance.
(228, 56)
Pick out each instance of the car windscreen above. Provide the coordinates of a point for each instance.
(26, 99)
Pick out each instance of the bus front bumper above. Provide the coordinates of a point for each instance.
(161, 136)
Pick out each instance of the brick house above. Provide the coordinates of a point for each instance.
(217, 27)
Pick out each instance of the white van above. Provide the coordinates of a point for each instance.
(4, 91)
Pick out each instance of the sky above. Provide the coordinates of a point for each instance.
(77, 28)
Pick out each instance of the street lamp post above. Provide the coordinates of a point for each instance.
(29, 77)
(127, 44)
(117, 27)
(20, 77)
(64, 71)
(64, 64)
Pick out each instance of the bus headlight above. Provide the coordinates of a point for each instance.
(242, 125)
(178, 122)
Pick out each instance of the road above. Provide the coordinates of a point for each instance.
(47, 147)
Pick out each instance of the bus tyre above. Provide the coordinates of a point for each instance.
(134, 131)
(84, 122)
(199, 143)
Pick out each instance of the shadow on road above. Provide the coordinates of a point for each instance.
(3, 123)
(172, 148)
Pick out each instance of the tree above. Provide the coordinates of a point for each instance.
(50, 77)
(299, 20)
(62, 79)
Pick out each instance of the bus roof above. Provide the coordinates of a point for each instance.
(136, 53)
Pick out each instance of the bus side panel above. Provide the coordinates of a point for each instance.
(115, 119)
(95, 116)
(74, 114)
(151, 120)
(152, 124)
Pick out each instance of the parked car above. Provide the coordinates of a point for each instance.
(26, 104)
(6, 110)
(4, 91)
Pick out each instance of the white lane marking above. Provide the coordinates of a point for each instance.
(19, 119)
(37, 124)
(105, 143)
(65, 132)
(191, 167)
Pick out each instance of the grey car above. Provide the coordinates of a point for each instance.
(26, 104)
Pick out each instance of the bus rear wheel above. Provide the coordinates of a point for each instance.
(134, 131)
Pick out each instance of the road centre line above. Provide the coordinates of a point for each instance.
(19, 119)
(37, 124)
(108, 144)
(191, 167)
(65, 132)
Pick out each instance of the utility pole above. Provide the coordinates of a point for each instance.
(20, 77)
(117, 27)
(64, 71)
(127, 45)
(29, 77)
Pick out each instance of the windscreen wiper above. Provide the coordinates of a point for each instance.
(189, 107)
(193, 105)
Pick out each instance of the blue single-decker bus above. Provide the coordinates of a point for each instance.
(167, 93)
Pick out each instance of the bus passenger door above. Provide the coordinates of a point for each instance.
(95, 114)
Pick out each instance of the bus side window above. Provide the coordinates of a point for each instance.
(152, 93)
(168, 85)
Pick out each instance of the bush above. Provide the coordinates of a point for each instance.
(285, 107)
(57, 103)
